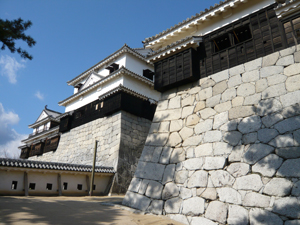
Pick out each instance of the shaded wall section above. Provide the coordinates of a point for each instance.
(225, 149)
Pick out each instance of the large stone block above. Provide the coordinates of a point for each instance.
(289, 168)
(219, 120)
(292, 69)
(237, 215)
(134, 185)
(253, 199)
(188, 100)
(178, 155)
(246, 90)
(270, 70)
(249, 182)
(174, 139)
(296, 189)
(285, 61)
(289, 124)
(250, 124)
(202, 221)
(212, 136)
(147, 170)
(237, 70)
(175, 103)
(204, 150)
(198, 179)
(203, 126)
(156, 207)
(229, 94)
(238, 169)
(241, 111)
(293, 83)
(219, 88)
(181, 176)
(221, 148)
(263, 217)
(270, 60)
(136, 201)
(173, 205)
(292, 222)
(234, 81)
(218, 77)
(272, 119)
(217, 211)
(256, 152)
(289, 152)
(276, 79)
(232, 137)
(205, 93)
(213, 101)
(261, 85)
(193, 206)
(281, 141)
(175, 125)
(223, 107)
(252, 99)
(193, 164)
(170, 191)
(236, 154)
(206, 82)
(254, 64)
(186, 111)
(278, 187)
(157, 139)
(222, 178)
(206, 113)
(154, 190)
(266, 135)
(209, 193)
(213, 163)
(165, 155)
(288, 207)
(291, 98)
(192, 120)
(229, 195)
(268, 165)
(192, 141)
(274, 91)
(172, 114)
(169, 173)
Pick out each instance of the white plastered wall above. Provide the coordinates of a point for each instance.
(6, 182)
(41, 180)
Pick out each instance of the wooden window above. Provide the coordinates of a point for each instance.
(14, 185)
(113, 67)
(79, 187)
(49, 186)
(148, 74)
(222, 42)
(65, 186)
(241, 34)
(32, 186)
(94, 187)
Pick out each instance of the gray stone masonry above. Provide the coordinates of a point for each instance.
(121, 139)
(229, 149)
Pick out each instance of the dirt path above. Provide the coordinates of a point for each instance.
(72, 210)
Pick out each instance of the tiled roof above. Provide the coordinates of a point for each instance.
(19, 163)
(186, 21)
(124, 48)
(51, 112)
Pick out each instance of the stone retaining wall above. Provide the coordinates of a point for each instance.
(225, 150)
(121, 139)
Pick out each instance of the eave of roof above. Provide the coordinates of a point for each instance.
(288, 7)
(124, 49)
(194, 20)
(19, 163)
(44, 133)
(121, 71)
(40, 122)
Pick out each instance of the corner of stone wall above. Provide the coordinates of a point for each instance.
(226, 149)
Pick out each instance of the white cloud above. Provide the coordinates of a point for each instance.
(9, 67)
(9, 138)
(39, 95)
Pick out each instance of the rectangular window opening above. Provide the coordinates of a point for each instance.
(79, 187)
(32, 186)
(65, 186)
(242, 34)
(14, 185)
(222, 43)
(94, 187)
(49, 186)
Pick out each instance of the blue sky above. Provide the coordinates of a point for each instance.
(71, 37)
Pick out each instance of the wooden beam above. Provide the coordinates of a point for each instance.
(59, 184)
(26, 183)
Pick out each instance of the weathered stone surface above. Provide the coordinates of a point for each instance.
(297, 57)
(296, 189)
(234, 81)
(202, 221)
(253, 199)
(268, 165)
(169, 173)
(260, 217)
(230, 125)
(192, 120)
(147, 153)
(178, 155)
(186, 132)
(268, 106)
(213, 163)
(188, 100)
(241, 111)
(156, 207)
(237, 101)
(204, 126)
(186, 111)
(219, 88)
(154, 190)
(165, 155)
(266, 135)
(219, 120)
(292, 222)
(157, 139)
(185, 193)
(198, 179)
(292, 69)
(204, 150)
(181, 176)
(285, 61)
(164, 127)
(245, 89)
(289, 152)
(229, 94)
(173, 205)
(213, 101)
(206, 82)
(172, 114)
(293, 83)
(162, 105)
(281, 141)
(287, 51)
(193, 206)
(252, 99)
(237, 215)
(156, 154)
(180, 218)
(229, 195)
(276, 79)
(291, 111)
(250, 76)
(270, 120)
(274, 91)
(218, 77)
(174, 139)
(206, 113)
(193, 164)
(212, 136)
(270, 70)
(278, 187)
(236, 70)
(170, 191)
(290, 98)
(236, 153)
(261, 85)
(288, 206)
(221, 148)
(238, 169)
(209, 193)
(222, 178)
(205, 93)
(290, 168)
(249, 138)
(154, 128)
(192, 141)
(254, 64)
(256, 152)
(134, 185)
(175, 125)
(147, 170)
(143, 186)
(200, 105)
(270, 60)
(232, 137)
(175, 103)
(189, 152)
(249, 124)
(216, 211)
(136, 201)
(249, 182)
(223, 107)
